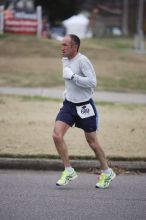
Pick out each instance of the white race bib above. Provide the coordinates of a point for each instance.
(85, 111)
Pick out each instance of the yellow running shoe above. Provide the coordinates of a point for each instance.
(66, 178)
(105, 179)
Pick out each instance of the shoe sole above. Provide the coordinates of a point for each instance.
(113, 177)
(73, 178)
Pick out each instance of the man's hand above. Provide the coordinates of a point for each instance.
(67, 73)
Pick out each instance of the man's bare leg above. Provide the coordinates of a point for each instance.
(69, 173)
(60, 129)
(93, 143)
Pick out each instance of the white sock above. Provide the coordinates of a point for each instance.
(69, 169)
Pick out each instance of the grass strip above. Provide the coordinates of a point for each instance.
(72, 157)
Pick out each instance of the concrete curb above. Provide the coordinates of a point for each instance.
(56, 164)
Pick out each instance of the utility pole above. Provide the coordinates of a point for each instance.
(125, 17)
(139, 39)
(39, 21)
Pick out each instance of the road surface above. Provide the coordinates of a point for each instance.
(33, 195)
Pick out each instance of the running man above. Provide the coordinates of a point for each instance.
(79, 110)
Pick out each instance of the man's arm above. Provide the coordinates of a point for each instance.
(88, 80)
(85, 82)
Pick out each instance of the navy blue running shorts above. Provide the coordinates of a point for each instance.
(83, 115)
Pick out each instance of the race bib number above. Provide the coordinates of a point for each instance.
(85, 111)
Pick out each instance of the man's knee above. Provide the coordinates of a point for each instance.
(92, 142)
(57, 137)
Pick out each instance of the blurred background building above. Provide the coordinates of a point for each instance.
(94, 18)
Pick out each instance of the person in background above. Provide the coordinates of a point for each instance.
(79, 110)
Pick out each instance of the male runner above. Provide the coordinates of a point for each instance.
(79, 110)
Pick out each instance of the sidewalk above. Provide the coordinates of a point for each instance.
(104, 96)
(51, 164)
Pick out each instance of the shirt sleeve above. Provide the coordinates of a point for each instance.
(88, 80)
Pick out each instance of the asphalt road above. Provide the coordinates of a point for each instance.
(33, 195)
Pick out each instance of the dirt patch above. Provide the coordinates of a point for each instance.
(26, 129)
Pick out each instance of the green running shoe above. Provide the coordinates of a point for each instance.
(66, 178)
(105, 179)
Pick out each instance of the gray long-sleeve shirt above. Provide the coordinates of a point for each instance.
(81, 87)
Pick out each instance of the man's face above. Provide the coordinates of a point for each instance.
(68, 48)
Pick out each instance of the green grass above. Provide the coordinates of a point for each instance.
(25, 98)
(27, 61)
(27, 46)
(56, 157)
(114, 42)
